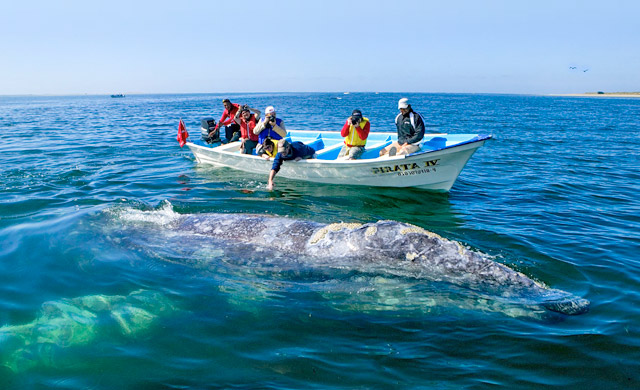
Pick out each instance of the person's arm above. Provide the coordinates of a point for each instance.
(419, 135)
(259, 127)
(224, 116)
(257, 112)
(281, 130)
(272, 175)
(235, 111)
(275, 168)
(345, 129)
(237, 118)
(277, 162)
(363, 133)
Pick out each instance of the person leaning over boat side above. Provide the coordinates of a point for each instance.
(410, 131)
(247, 122)
(270, 126)
(281, 151)
(232, 129)
(355, 130)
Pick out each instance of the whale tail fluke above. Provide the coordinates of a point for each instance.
(569, 307)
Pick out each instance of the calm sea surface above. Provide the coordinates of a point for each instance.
(94, 294)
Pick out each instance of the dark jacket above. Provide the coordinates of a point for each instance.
(298, 149)
(407, 133)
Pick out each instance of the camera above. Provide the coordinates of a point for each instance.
(272, 119)
(355, 120)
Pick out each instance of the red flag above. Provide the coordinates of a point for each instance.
(182, 134)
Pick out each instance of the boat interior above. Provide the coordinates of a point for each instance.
(328, 144)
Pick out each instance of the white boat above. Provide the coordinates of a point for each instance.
(435, 167)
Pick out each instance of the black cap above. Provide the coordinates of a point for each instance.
(356, 113)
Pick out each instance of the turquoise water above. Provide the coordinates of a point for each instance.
(95, 294)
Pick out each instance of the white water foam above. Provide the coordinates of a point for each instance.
(164, 215)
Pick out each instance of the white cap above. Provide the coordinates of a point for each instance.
(269, 110)
(403, 103)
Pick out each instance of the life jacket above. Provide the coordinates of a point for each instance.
(246, 128)
(353, 138)
(275, 147)
(269, 132)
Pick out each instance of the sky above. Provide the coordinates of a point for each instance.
(196, 46)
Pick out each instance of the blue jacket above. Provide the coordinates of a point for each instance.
(298, 149)
(269, 132)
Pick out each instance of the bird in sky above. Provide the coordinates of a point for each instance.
(585, 70)
(572, 67)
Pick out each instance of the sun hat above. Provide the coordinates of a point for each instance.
(403, 103)
(269, 110)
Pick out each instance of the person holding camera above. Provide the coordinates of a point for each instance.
(247, 122)
(410, 131)
(270, 126)
(355, 130)
(232, 129)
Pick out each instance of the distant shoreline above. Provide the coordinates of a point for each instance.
(602, 94)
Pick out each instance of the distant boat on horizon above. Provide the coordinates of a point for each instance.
(118, 95)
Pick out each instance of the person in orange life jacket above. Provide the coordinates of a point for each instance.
(355, 131)
(247, 122)
(270, 126)
(232, 129)
(410, 131)
(283, 150)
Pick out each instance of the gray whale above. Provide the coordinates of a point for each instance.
(383, 247)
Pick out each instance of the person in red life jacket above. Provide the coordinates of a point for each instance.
(232, 129)
(247, 122)
(269, 127)
(410, 131)
(281, 151)
(355, 130)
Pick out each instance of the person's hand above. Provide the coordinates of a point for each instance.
(266, 157)
(270, 186)
(349, 121)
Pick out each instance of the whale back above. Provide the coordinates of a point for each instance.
(386, 247)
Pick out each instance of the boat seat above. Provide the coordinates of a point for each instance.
(435, 143)
(375, 151)
(330, 153)
(316, 145)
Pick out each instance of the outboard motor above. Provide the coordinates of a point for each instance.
(208, 131)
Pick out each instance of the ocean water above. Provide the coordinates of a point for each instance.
(95, 293)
